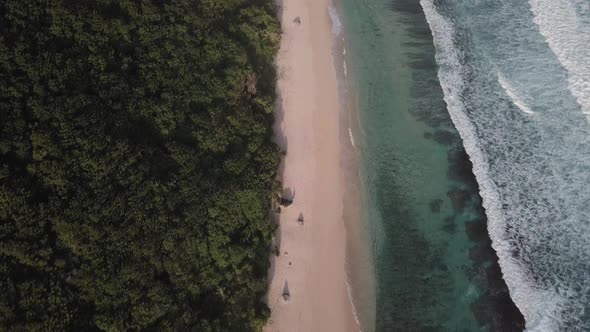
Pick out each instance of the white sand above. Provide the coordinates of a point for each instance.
(308, 125)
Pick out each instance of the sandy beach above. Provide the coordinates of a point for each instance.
(312, 261)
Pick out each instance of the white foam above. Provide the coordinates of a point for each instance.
(344, 60)
(351, 138)
(568, 34)
(539, 306)
(336, 24)
(354, 312)
(511, 92)
(344, 68)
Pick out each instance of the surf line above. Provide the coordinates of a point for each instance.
(512, 94)
(344, 59)
(351, 139)
(354, 313)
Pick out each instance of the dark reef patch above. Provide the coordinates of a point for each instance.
(416, 257)
(417, 276)
(461, 169)
(445, 137)
(449, 225)
(459, 198)
(435, 205)
(494, 308)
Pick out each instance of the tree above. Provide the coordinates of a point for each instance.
(136, 164)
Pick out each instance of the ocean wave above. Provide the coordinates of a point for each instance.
(565, 26)
(511, 92)
(336, 23)
(540, 306)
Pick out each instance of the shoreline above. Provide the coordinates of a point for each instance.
(316, 259)
(359, 251)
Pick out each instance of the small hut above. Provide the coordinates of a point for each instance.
(297, 20)
(300, 219)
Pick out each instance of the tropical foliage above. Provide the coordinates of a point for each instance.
(136, 163)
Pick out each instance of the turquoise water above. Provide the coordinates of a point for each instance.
(516, 79)
(434, 267)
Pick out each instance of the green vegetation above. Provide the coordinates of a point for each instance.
(136, 164)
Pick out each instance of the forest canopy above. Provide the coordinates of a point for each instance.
(136, 164)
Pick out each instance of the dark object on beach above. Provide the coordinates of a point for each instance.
(286, 293)
(297, 20)
(287, 197)
(300, 219)
(286, 201)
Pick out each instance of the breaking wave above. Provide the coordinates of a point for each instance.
(533, 171)
(512, 94)
(566, 27)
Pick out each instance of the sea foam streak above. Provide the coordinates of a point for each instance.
(336, 32)
(512, 94)
(351, 138)
(566, 28)
(336, 24)
(539, 306)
